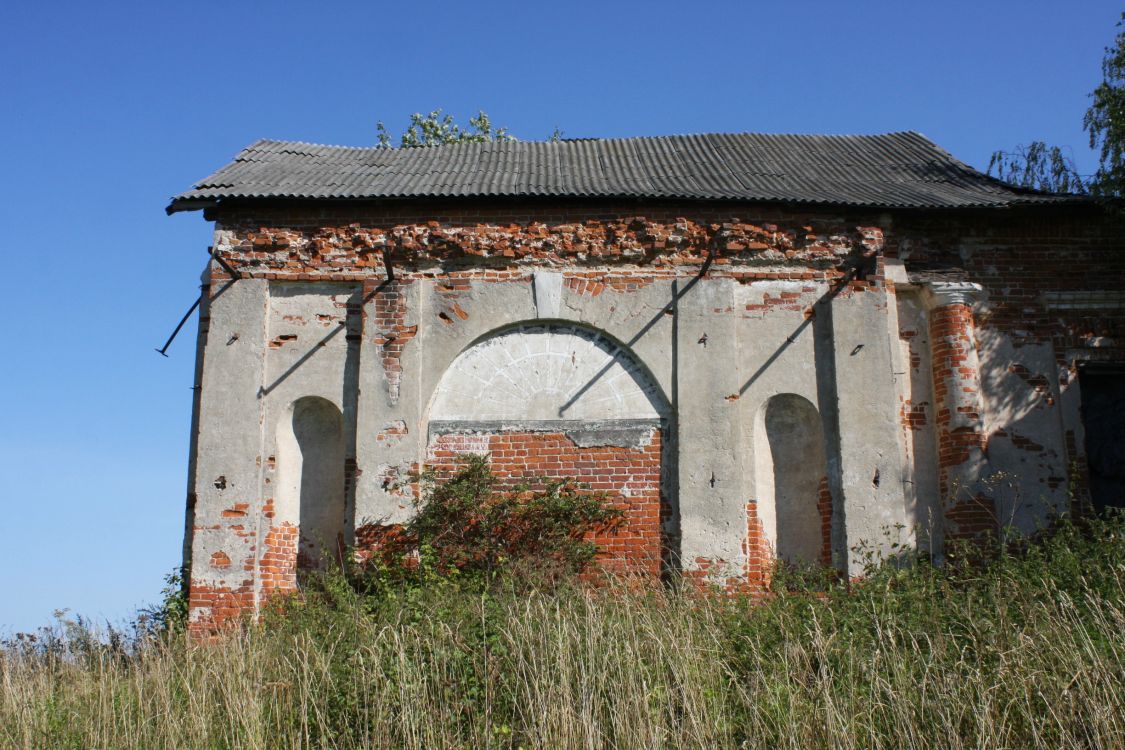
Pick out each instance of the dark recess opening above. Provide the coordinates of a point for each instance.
(1103, 415)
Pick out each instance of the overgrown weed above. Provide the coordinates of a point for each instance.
(1024, 648)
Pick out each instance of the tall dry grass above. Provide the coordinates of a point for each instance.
(1027, 651)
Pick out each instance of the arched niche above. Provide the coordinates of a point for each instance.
(791, 468)
(560, 400)
(547, 371)
(310, 478)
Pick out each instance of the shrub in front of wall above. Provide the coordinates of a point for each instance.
(474, 528)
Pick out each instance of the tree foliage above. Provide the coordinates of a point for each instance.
(1105, 120)
(1039, 167)
(436, 129)
(1043, 167)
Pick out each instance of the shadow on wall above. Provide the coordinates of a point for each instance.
(1024, 468)
(791, 470)
(311, 490)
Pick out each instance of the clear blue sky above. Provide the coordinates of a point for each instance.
(110, 108)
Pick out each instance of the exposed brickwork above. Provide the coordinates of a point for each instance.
(1079, 474)
(960, 429)
(213, 606)
(371, 536)
(392, 433)
(759, 554)
(824, 509)
(1022, 442)
(1019, 258)
(910, 337)
(956, 384)
(351, 475)
(971, 518)
(347, 240)
(277, 567)
(631, 478)
(1035, 381)
(913, 415)
(387, 327)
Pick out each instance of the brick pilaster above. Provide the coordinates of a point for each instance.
(967, 510)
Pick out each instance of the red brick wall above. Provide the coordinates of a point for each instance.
(956, 386)
(221, 604)
(630, 476)
(824, 509)
(1017, 256)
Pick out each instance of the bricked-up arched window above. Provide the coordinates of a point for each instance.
(559, 400)
(310, 478)
(793, 502)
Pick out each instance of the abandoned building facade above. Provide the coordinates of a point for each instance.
(762, 347)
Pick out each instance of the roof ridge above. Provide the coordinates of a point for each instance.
(595, 139)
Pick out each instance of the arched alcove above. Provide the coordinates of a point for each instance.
(310, 484)
(547, 371)
(791, 471)
(561, 400)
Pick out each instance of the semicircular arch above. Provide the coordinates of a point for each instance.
(547, 371)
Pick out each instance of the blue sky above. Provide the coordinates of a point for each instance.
(110, 108)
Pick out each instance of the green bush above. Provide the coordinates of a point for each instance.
(170, 616)
(471, 528)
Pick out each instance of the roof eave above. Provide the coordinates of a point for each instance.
(190, 204)
(179, 204)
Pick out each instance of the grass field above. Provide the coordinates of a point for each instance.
(1025, 651)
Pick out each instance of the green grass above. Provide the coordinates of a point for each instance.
(1027, 650)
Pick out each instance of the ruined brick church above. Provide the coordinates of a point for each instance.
(762, 346)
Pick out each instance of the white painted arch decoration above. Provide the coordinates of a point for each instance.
(546, 371)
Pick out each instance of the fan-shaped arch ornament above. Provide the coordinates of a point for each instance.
(547, 372)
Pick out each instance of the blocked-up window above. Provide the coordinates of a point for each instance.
(563, 401)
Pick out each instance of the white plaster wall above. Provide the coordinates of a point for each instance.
(227, 466)
(702, 352)
(913, 371)
(837, 353)
(871, 457)
(308, 355)
(777, 354)
(1027, 470)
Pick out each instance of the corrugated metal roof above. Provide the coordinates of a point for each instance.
(895, 170)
